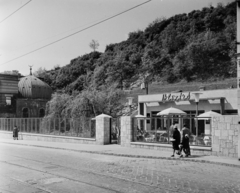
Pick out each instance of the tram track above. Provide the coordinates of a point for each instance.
(111, 174)
(86, 171)
(50, 173)
(41, 189)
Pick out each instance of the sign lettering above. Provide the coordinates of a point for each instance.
(177, 98)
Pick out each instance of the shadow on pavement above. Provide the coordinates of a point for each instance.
(195, 156)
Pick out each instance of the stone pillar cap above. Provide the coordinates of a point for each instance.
(104, 115)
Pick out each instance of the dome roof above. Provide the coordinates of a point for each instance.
(32, 87)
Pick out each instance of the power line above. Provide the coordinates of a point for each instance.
(64, 32)
(78, 31)
(16, 11)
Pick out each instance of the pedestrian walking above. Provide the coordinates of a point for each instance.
(172, 128)
(15, 132)
(184, 144)
(176, 137)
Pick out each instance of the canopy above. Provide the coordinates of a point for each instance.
(207, 115)
(139, 116)
(104, 115)
(172, 111)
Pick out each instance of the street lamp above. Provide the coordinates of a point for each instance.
(144, 85)
(130, 101)
(197, 96)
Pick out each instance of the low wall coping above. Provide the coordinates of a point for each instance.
(170, 146)
(55, 136)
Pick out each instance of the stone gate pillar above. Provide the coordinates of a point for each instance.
(103, 129)
(126, 131)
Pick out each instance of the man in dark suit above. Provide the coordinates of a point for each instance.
(184, 144)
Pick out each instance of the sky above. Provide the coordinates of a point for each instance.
(41, 22)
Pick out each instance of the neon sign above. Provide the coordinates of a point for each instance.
(176, 97)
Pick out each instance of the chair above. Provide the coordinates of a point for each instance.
(150, 138)
(207, 140)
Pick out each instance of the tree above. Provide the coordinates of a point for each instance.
(39, 72)
(88, 103)
(57, 67)
(107, 99)
(46, 76)
(94, 45)
(120, 70)
(157, 21)
(204, 58)
(57, 107)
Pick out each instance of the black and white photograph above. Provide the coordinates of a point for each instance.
(119, 96)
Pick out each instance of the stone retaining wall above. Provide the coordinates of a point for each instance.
(195, 150)
(52, 138)
(225, 134)
(102, 134)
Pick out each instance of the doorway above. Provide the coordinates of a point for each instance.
(115, 131)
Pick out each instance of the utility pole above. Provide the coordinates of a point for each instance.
(238, 70)
(144, 85)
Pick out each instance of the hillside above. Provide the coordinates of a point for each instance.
(198, 46)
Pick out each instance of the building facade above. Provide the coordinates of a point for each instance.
(222, 101)
(23, 96)
(157, 128)
(8, 94)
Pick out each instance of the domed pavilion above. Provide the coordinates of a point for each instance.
(33, 88)
(33, 96)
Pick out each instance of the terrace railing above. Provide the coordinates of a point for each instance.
(159, 130)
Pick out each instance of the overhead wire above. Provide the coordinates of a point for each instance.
(15, 11)
(104, 20)
(61, 33)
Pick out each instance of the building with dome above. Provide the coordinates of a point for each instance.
(23, 96)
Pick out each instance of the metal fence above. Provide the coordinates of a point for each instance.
(85, 128)
(159, 129)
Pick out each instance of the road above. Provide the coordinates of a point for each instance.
(26, 169)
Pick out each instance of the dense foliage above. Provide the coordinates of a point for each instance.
(200, 45)
(88, 103)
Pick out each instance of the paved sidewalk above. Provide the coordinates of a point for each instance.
(117, 150)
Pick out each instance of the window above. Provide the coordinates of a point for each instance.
(141, 108)
(8, 99)
(41, 113)
(25, 113)
(231, 112)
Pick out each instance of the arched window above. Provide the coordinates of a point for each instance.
(25, 112)
(41, 113)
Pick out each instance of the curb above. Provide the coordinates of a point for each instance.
(126, 155)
